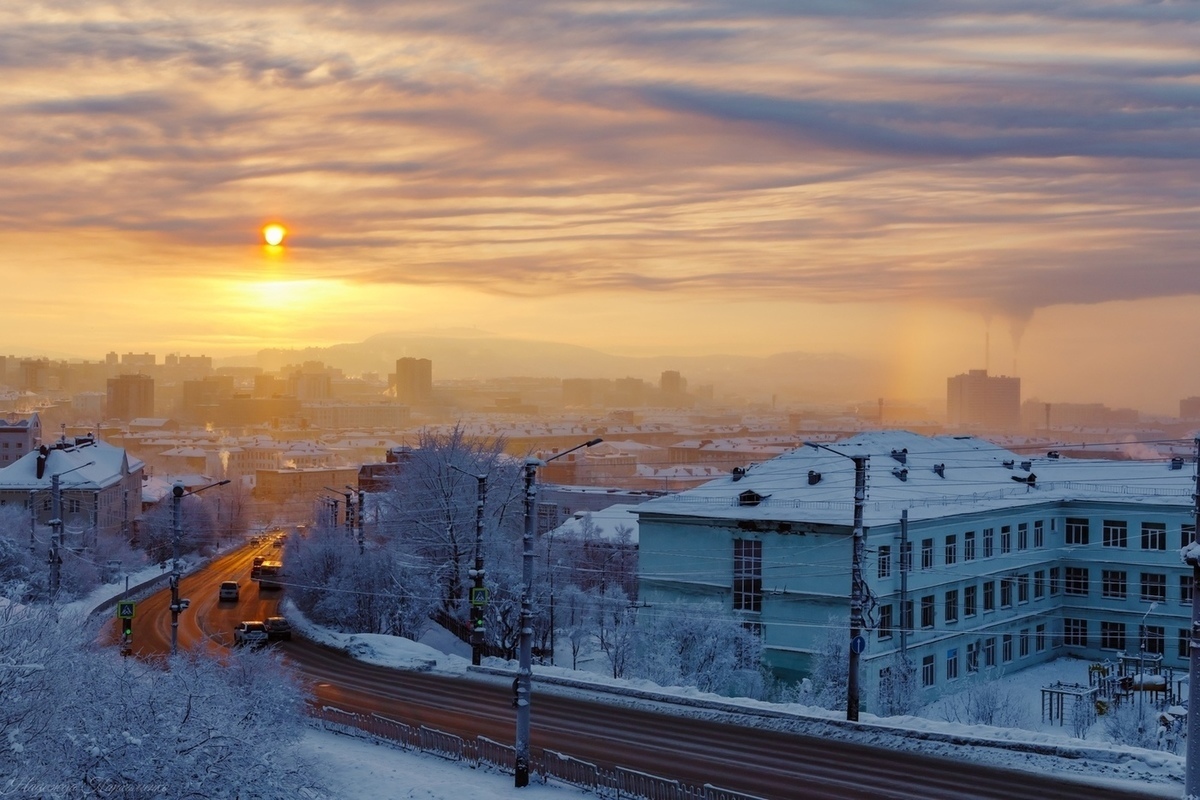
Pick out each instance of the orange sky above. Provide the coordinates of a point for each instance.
(896, 180)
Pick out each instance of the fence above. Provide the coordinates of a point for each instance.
(617, 784)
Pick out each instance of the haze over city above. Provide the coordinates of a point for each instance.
(929, 187)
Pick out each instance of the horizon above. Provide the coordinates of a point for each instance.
(935, 189)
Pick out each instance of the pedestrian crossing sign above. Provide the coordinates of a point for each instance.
(125, 610)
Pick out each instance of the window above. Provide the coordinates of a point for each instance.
(1113, 584)
(1116, 533)
(969, 546)
(1039, 637)
(1185, 589)
(1023, 587)
(972, 657)
(885, 561)
(970, 594)
(1077, 530)
(906, 556)
(1022, 535)
(1154, 586)
(885, 622)
(1076, 581)
(952, 664)
(1075, 632)
(1055, 581)
(989, 651)
(1112, 635)
(927, 671)
(1039, 535)
(1155, 639)
(1184, 643)
(951, 549)
(73, 505)
(747, 575)
(906, 615)
(1005, 539)
(1039, 584)
(927, 554)
(1154, 536)
(1187, 535)
(927, 611)
(952, 605)
(989, 596)
(1006, 591)
(1023, 642)
(1006, 648)
(987, 542)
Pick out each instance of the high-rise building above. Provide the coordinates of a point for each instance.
(130, 397)
(414, 380)
(976, 399)
(19, 437)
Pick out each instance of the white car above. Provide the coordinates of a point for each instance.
(250, 632)
(228, 591)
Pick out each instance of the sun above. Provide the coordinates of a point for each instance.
(274, 233)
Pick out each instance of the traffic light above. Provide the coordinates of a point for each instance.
(127, 626)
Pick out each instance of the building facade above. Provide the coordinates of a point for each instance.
(978, 400)
(414, 380)
(976, 560)
(130, 397)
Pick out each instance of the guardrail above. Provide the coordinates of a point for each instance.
(617, 784)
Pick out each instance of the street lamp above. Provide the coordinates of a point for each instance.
(478, 592)
(857, 587)
(179, 604)
(524, 684)
(1142, 663)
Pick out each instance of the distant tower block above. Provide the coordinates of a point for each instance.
(414, 380)
(978, 400)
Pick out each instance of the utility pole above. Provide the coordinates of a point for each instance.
(362, 516)
(478, 592)
(524, 682)
(32, 518)
(857, 588)
(1191, 783)
(903, 588)
(179, 603)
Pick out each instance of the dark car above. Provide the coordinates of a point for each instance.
(278, 628)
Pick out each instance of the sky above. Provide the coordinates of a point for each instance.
(942, 186)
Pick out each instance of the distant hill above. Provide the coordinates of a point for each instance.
(463, 355)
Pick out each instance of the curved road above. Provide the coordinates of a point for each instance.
(746, 759)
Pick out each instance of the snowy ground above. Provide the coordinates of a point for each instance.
(362, 770)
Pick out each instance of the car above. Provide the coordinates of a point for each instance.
(278, 628)
(277, 542)
(250, 632)
(228, 591)
(255, 540)
(258, 560)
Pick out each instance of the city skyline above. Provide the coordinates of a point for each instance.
(934, 189)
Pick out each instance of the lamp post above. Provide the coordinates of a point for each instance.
(857, 587)
(524, 683)
(1142, 663)
(177, 603)
(476, 573)
(56, 526)
(1191, 556)
(358, 518)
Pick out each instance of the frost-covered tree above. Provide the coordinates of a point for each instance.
(575, 614)
(1133, 724)
(616, 629)
(830, 671)
(898, 690)
(985, 701)
(698, 644)
(197, 729)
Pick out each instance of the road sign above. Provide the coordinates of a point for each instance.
(125, 610)
(479, 596)
(858, 644)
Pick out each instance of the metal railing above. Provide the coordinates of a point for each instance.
(617, 784)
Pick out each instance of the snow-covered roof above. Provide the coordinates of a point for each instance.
(938, 476)
(605, 523)
(92, 465)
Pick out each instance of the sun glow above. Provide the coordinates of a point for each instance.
(273, 234)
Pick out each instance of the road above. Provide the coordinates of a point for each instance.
(747, 759)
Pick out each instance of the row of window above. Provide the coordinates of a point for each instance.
(1017, 588)
(1113, 637)
(1115, 533)
(983, 654)
(1114, 584)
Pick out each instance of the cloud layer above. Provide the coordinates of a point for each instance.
(995, 157)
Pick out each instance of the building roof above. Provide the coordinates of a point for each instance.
(605, 523)
(972, 475)
(92, 464)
